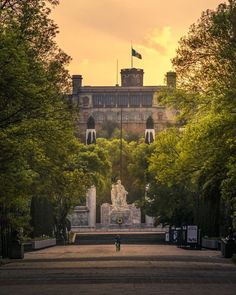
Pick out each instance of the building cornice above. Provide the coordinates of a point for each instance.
(104, 89)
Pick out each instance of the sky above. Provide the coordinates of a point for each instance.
(97, 33)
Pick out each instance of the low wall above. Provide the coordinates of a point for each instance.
(40, 244)
(119, 229)
(210, 244)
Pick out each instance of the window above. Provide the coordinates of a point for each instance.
(160, 116)
(146, 100)
(134, 100)
(98, 100)
(85, 101)
(122, 100)
(110, 100)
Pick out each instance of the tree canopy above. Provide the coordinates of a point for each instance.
(40, 155)
(186, 175)
(201, 154)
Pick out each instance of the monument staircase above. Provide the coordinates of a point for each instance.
(117, 217)
(96, 238)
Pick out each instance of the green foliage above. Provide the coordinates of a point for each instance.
(172, 205)
(41, 217)
(189, 171)
(111, 130)
(201, 154)
(207, 53)
(108, 128)
(130, 171)
(40, 157)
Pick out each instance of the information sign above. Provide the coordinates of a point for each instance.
(192, 233)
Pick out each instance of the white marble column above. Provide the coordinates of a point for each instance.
(149, 220)
(91, 204)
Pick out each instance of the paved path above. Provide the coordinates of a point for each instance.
(137, 269)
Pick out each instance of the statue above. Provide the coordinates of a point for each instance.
(118, 196)
(121, 194)
(113, 195)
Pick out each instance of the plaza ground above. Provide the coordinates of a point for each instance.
(136, 269)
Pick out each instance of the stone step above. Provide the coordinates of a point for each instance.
(126, 238)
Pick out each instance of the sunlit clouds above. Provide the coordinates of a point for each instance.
(95, 33)
(159, 40)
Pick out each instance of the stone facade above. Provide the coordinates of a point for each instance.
(119, 213)
(133, 101)
(85, 216)
(80, 216)
(130, 216)
(149, 220)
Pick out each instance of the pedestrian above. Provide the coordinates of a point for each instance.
(117, 243)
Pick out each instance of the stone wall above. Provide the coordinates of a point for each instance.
(126, 217)
(85, 216)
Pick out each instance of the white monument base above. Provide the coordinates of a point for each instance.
(85, 216)
(128, 216)
(119, 213)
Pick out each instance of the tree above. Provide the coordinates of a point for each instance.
(129, 172)
(83, 166)
(41, 161)
(206, 70)
(170, 205)
(108, 128)
(205, 58)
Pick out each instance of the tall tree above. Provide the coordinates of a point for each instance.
(40, 154)
(206, 69)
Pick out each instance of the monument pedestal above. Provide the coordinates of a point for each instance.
(119, 213)
(120, 216)
(85, 216)
(129, 215)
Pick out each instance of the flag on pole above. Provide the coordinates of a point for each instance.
(136, 54)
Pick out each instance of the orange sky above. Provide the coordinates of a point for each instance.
(95, 33)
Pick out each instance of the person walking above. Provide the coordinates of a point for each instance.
(117, 243)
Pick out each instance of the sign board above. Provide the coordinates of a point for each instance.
(167, 237)
(192, 233)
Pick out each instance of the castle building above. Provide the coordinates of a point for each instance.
(131, 102)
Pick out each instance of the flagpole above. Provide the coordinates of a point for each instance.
(131, 56)
(117, 72)
(121, 144)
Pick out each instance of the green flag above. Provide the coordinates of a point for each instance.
(136, 54)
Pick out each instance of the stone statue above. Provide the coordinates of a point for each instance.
(113, 195)
(118, 196)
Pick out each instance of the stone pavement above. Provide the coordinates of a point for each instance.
(136, 269)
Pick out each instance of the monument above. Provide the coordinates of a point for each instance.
(119, 213)
(85, 216)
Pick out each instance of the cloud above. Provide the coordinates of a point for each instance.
(119, 19)
(97, 32)
(158, 39)
(101, 16)
(84, 62)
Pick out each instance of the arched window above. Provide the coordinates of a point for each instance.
(85, 101)
(91, 123)
(149, 123)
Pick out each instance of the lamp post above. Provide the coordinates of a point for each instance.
(121, 144)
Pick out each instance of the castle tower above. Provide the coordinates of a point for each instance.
(171, 79)
(132, 77)
(76, 84)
